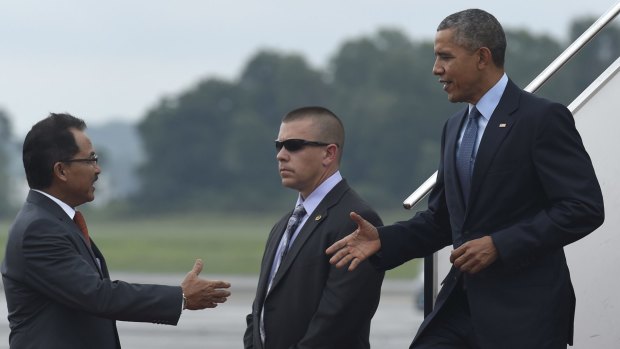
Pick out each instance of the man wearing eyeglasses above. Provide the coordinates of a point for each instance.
(301, 300)
(57, 286)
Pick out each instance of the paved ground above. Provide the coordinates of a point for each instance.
(393, 326)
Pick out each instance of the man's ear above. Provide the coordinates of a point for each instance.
(331, 154)
(485, 57)
(59, 171)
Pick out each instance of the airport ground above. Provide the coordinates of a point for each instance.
(393, 326)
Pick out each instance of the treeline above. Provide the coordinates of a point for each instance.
(212, 146)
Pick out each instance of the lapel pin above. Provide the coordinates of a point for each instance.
(318, 218)
(502, 125)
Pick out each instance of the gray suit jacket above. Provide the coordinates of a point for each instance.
(311, 303)
(57, 295)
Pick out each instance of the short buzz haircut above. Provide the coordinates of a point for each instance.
(474, 28)
(330, 128)
(48, 142)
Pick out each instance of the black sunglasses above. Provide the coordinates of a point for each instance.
(298, 144)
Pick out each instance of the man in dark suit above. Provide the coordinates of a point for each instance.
(509, 196)
(301, 300)
(58, 290)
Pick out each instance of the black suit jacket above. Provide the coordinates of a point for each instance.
(311, 303)
(533, 191)
(56, 294)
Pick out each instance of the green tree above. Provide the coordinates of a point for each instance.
(393, 109)
(271, 84)
(5, 138)
(183, 138)
(212, 145)
(527, 55)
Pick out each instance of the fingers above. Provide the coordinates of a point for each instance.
(217, 294)
(198, 265)
(475, 255)
(354, 263)
(219, 284)
(337, 246)
(345, 259)
(359, 220)
(457, 253)
(206, 294)
(342, 253)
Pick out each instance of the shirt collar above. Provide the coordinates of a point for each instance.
(314, 199)
(68, 209)
(487, 104)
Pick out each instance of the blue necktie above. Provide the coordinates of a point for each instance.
(466, 155)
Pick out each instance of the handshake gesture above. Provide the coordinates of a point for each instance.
(202, 293)
(471, 257)
(357, 246)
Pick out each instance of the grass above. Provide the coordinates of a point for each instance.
(228, 244)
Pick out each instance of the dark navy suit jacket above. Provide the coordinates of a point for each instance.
(533, 190)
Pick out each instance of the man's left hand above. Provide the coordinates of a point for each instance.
(475, 255)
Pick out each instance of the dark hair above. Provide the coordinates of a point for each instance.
(476, 28)
(330, 129)
(48, 142)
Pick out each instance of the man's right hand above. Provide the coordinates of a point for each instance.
(202, 293)
(357, 246)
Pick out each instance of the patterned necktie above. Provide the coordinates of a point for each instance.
(81, 223)
(466, 155)
(291, 226)
(293, 222)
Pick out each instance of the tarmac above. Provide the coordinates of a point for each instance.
(393, 326)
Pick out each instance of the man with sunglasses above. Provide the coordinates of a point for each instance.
(301, 300)
(57, 286)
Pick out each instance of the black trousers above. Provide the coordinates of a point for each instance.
(452, 327)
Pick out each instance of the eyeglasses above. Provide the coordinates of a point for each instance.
(93, 160)
(298, 144)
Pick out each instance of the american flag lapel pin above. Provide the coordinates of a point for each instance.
(502, 125)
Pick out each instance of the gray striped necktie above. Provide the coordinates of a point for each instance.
(291, 226)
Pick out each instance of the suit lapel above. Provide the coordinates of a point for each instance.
(270, 252)
(102, 266)
(49, 205)
(497, 129)
(312, 223)
(451, 178)
(90, 249)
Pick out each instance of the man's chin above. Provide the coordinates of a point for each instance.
(288, 183)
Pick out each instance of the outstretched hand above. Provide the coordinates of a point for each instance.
(202, 293)
(357, 246)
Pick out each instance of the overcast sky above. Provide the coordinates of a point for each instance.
(111, 60)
